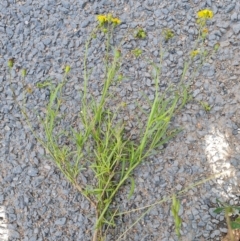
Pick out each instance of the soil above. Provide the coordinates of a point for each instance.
(236, 234)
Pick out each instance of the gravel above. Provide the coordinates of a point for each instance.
(36, 202)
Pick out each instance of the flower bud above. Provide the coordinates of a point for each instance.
(67, 69)
(117, 53)
(24, 73)
(11, 62)
(216, 46)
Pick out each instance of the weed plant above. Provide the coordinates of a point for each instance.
(113, 156)
(103, 146)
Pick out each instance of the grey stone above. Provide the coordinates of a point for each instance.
(13, 234)
(165, 11)
(196, 92)
(211, 36)
(85, 23)
(33, 238)
(9, 32)
(158, 13)
(194, 225)
(209, 227)
(17, 169)
(236, 28)
(201, 224)
(47, 41)
(60, 221)
(223, 230)
(234, 161)
(194, 211)
(151, 23)
(230, 7)
(217, 33)
(66, 4)
(234, 132)
(150, 2)
(26, 9)
(234, 17)
(37, 181)
(32, 172)
(215, 233)
(205, 217)
(224, 43)
(179, 187)
(212, 213)
(1, 200)
(2, 29)
(209, 3)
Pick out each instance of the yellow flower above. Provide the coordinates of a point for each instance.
(102, 19)
(29, 89)
(124, 104)
(205, 30)
(116, 21)
(205, 13)
(194, 53)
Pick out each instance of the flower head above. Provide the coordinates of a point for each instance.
(116, 21)
(205, 30)
(194, 53)
(102, 19)
(205, 14)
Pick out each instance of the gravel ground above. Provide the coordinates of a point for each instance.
(36, 201)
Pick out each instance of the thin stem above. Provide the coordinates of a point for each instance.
(96, 230)
(229, 225)
(177, 194)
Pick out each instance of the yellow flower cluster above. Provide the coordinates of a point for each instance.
(102, 19)
(194, 53)
(205, 14)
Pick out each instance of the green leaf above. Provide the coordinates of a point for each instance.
(235, 225)
(132, 188)
(219, 210)
(44, 84)
(178, 221)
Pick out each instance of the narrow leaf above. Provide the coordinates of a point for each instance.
(218, 210)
